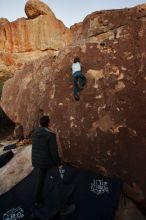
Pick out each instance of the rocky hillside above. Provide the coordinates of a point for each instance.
(27, 39)
(107, 127)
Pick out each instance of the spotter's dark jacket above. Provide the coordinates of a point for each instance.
(44, 149)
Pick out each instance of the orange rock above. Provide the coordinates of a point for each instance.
(24, 40)
(35, 8)
(3, 21)
(111, 45)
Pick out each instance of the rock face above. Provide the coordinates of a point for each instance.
(18, 168)
(107, 127)
(42, 33)
(24, 40)
(3, 21)
(127, 210)
(35, 8)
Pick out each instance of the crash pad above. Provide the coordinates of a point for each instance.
(95, 197)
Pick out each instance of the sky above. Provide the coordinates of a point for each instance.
(68, 11)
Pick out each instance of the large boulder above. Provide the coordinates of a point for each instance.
(35, 8)
(40, 34)
(107, 126)
(24, 40)
(16, 169)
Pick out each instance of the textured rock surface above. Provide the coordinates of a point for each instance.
(3, 21)
(42, 33)
(24, 40)
(35, 8)
(16, 169)
(107, 126)
(127, 210)
(12, 62)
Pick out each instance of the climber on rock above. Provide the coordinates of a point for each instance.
(77, 76)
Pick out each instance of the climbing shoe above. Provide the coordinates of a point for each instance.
(77, 98)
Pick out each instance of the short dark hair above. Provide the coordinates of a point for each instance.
(44, 121)
(76, 59)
